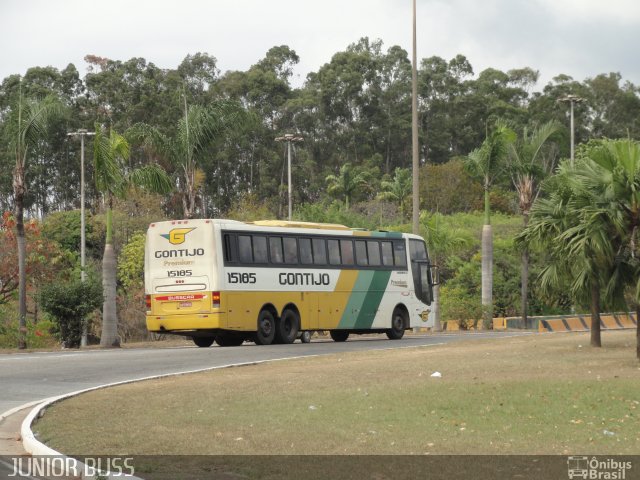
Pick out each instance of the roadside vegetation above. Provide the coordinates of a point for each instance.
(193, 142)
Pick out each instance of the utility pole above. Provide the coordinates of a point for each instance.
(414, 130)
(82, 132)
(289, 137)
(571, 99)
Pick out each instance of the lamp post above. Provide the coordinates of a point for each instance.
(289, 137)
(82, 132)
(571, 99)
(414, 131)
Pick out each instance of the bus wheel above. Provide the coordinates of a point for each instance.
(229, 340)
(339, 335)
(203, 342)
(288, 326)
(266, 328)
(396, 332)
(305, 337)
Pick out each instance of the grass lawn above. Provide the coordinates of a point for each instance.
(540, 394)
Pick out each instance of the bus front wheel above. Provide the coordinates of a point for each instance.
(396, 332)
(203, 342)
(266, 328)
(288, 326)
(339, 335)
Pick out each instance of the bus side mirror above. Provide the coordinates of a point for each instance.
(435, 275)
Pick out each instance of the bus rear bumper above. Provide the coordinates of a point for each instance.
(182, 322)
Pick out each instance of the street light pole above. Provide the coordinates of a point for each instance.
(289, 137)
(82, 132)
(571, 99)
(414, 132)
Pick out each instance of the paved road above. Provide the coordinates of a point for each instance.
(34, 376)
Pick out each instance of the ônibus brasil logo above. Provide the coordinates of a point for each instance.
(177, 235)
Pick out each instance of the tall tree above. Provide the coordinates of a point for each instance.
(615, 176)
(529, 162)
(486, 164)
(27, 126)
(113, 179)
(194, 133)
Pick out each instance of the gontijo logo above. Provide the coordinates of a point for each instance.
(177, 235)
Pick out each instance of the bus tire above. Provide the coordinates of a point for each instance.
(288, 326)
(305, 337)
(266, 328)
(339, 335)
(229, 340)
(203, 342)
(398, 322)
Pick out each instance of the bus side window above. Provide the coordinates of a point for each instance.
(290, 250)
(400, 254)
(306, 254)
(319, 251)
(260, 249)
(229, 250)
(373, 248)
(387, 254)
(244, 249)
(334, 252)
(346, 250)
(361, 253)
(275, 249)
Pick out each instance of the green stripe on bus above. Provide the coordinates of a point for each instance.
(365, 299)
(372, 299)
(386, 234)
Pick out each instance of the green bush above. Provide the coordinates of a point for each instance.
(70, 303)
(39, 335)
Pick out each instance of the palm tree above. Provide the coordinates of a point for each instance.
(27, 125)
(399, 189)
(528, 164)
(194, 133)
(615, 175)
(347, 183)
(114, 179)
(486, 164)
(573, 230)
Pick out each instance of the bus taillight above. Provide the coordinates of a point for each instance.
(215, 299)
(147, 300)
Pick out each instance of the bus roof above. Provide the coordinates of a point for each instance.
(290, 224)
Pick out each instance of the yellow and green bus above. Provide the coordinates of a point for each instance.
(271, 281)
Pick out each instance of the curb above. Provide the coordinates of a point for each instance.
(36, 448)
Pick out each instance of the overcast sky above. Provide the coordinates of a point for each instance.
(581, 38)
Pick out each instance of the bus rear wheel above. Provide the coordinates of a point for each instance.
(396, 332)
(266, 328)
(203, 342)
(339, 335)
(288, 326)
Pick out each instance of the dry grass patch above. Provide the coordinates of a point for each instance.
(546, 394)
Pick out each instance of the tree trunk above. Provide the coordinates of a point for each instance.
(19, 192)
(524, 281)
(595, 315)
(487, 275)
(109, 336)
